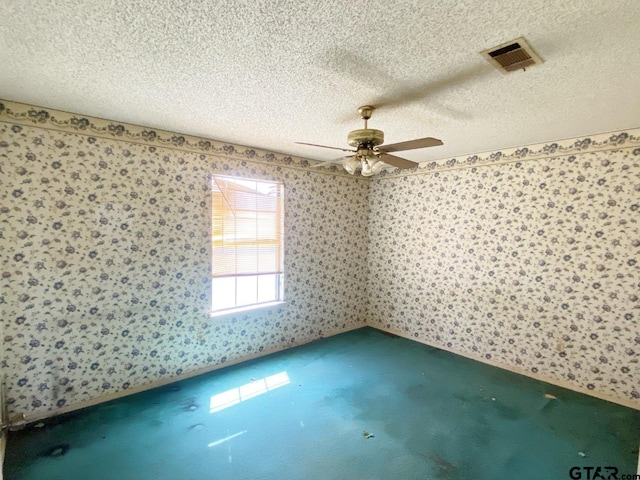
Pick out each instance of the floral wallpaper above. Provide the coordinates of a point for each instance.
(530, 265)
(105, 259)
(526, 258)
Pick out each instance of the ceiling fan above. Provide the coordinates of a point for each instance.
(370, 155)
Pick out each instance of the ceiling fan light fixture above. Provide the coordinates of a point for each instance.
(377, 166)
(371, 165)
(367, 170)
(351, 165)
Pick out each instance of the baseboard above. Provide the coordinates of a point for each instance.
(3, 446)
(166, 381)
(542, 378)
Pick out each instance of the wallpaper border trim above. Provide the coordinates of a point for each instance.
(541, 378)
(617, 140)
(57, 120)
(52, 119)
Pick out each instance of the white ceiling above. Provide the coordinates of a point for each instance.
(269, 73)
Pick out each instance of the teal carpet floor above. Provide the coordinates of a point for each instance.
(360, 405)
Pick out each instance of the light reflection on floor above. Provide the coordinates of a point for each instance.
(249, 390)
(226, 439)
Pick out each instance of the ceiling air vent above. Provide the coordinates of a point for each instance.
(512, 56)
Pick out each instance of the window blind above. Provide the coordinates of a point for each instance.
(247, 227)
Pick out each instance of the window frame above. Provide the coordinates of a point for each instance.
(278, 289)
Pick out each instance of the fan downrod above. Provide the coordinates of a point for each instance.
(365, 138)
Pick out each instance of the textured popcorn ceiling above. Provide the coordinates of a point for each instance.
(269, 73)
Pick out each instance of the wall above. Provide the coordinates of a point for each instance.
(105, 257)
(526, 259)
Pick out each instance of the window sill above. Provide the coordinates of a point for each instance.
(232, 312)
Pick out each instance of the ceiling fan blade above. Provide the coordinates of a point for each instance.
(411, 145)
(331, 162)
(324, 146)
(396, 161)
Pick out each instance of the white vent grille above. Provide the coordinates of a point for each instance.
(512, 56)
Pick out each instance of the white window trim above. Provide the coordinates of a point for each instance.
(254, 308)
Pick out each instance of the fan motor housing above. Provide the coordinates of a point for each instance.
(365, 136)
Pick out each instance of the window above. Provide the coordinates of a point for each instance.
(247, 242)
